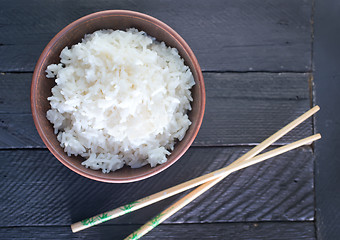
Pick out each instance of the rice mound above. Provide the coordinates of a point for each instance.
(120, 98)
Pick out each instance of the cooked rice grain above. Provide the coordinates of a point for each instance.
(120, 98)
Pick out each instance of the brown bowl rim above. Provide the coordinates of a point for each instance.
(125, 13)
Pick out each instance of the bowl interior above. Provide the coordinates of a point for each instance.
(72, 34)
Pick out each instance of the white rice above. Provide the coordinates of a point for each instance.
(121, 98)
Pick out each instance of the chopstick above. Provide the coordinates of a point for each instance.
(204, 187)
(86, 223)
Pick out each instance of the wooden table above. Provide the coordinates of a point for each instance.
(257, 62)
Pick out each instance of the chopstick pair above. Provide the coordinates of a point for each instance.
(206, 182)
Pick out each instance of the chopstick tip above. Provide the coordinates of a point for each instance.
(316, 107)
(74, 230)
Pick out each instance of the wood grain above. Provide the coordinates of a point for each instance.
(259, 104)
(225, 35)
(15, 93)
(241, 231)
(280, 189)
(18, 131)
(242, 109)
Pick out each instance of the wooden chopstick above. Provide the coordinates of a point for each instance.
(204, 187)
(86, 223)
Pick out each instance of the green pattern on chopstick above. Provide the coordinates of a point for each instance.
(156, 220)
(93, 220)
(104, 217)
(128, 207)
(134, 236)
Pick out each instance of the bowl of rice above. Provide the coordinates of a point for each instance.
(117, 96)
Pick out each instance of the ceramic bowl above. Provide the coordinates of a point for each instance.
(72, 34)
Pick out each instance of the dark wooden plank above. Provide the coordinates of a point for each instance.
(39, 189)
(225, 35)
(18, 130)
(241, 109)
(327, 85)
(15, 93)
(247, 108)
(260, 231)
